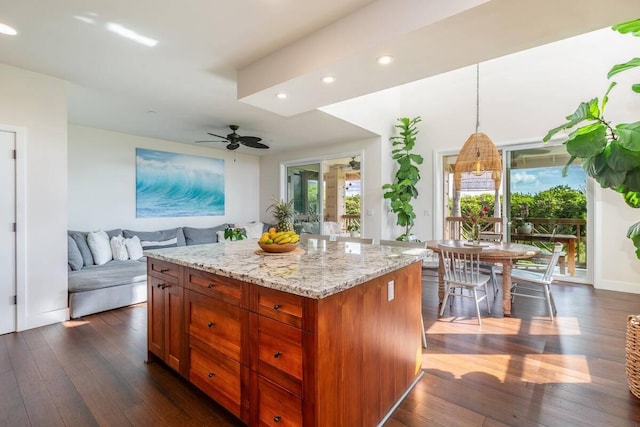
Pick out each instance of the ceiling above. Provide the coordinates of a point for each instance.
(220, 62)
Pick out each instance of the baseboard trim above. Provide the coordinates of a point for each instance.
(43, 319)
(399, 401)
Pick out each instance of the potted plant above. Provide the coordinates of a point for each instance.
(609, 153)
(522, 225)
(354, 228)
(233, 233)
(403, 190)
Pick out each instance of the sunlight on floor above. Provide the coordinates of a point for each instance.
(505, 326)
(75, 323)
(534, 368)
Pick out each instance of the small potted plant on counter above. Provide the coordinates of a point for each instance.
(233, 233)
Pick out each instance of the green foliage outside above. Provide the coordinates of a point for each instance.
(352, 205)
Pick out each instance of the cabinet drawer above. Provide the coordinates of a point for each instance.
(224, 288)
(163, 270)
(216, 323)
(218, 376)
(280, 352)
(279, 305)
(276, 406)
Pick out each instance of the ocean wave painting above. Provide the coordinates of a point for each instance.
(174, 185)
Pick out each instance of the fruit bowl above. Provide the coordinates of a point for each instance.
(275, 248)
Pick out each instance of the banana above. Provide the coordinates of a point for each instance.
(286, 239)
(294, 238)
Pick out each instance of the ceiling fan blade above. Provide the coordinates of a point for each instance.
(219, 136)
(253, 142)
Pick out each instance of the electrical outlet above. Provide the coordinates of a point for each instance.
(390, 290)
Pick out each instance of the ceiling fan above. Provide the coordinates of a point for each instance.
(354, 164)
(234, 140)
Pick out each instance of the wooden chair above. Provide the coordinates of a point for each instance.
(462, 271)
(363, 240)
(491, 267)
(418, 245)
(533, 281)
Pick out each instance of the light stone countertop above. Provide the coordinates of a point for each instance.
(316, 269)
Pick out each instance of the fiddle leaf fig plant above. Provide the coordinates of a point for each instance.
(403, 190)
(609, 153)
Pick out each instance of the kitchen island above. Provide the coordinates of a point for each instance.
(327, 335)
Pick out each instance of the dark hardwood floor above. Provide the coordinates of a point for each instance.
(519, 371)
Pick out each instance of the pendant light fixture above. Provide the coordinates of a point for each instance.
(478, 157)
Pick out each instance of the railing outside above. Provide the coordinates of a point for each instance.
(456, 228)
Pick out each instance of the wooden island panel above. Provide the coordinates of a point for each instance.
(275, 358)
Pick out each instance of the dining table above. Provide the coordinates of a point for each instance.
(504, 253)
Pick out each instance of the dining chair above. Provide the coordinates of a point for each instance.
(532, 282)
(491, 268)
(354, 240)
(412, 245)
(462, 271)
(306, 236)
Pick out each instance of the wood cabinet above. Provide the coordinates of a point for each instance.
(165, 337)
(277, 359)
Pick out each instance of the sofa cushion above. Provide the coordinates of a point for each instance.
(74, 256)
(100, 248)
(199, 236)
(158, 239)
(113, 273)
(81, 241)
(134, 247)
(118, 248)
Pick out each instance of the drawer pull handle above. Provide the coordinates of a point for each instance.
(210, 324)
(276, 307)
(277, 354)
(162, 285)
(277, 418)
(164, 270)
(211, 374)
(211, 285)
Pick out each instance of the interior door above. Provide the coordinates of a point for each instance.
(7, 232)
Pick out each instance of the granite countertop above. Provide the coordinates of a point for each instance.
(316, 269)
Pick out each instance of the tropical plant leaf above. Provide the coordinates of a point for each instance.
(587, 141)
(632, 180)
(629, 135)
(597, 168)
(632, 198)
(605, 98)
(620, 159)
(632, 27)
(619, 68)
(565, 169)
(585, 111)
(636, 87)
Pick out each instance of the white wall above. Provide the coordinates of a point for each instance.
(371, 179)
(102, 179)
(522, 96)
(38, 103)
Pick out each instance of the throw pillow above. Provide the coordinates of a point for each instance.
(156, 239)
(100, 248)
(73, 255)
(134, 248)
(254, 229)
(81, 241)
(199, 236)
(118, 248)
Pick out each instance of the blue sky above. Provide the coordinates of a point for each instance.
(531, 181)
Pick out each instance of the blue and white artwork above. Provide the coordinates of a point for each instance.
(174, 185)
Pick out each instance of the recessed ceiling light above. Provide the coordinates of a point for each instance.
(384, 60)
(5, 29)
(328, 79)
(281, 95)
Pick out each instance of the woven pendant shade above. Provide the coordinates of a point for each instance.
(479, 159)
(478, 156)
